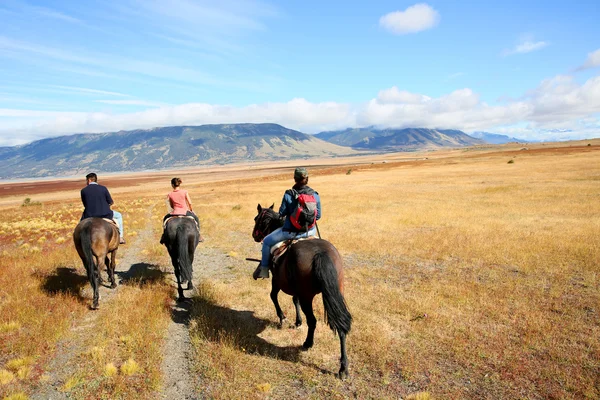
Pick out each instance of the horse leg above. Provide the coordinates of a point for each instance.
(311, 321)
(343, 373)
(298, 315)
(111, 269)
(274, 292)
(94, 281)
(191, 250)
(175, 263)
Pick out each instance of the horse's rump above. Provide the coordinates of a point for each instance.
(166, 220)
(279, 249)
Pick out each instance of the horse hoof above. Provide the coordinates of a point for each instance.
(298, 325)
(306, 346)
(190, 286)
(343, 374)
(94, 307)
(113, 286)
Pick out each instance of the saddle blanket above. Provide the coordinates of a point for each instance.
(180, 216)
(280, 248)
(112, 221)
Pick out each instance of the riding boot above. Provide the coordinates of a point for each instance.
(261, 272)
(162, 238)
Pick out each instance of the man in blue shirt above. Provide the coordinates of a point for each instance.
(97, 201)
(288, 230)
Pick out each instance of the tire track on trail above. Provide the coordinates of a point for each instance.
(180, 381)
(63, 364)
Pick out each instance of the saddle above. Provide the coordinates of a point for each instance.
(279, 249)
(180, 216)
(112, 222)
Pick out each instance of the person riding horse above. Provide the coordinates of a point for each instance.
(180, 204)
(289, 230)
(97, 202)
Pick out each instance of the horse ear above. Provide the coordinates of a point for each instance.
(272, 205)
(259, 208)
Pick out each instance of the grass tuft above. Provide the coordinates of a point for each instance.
(264, 387)
(72, 382)
(130, 367)
(16, 396)
(6, 377)
(110, 370)
(9, 326)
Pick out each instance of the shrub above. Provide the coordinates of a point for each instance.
(511, 161)
(27, 202)
(349, 171)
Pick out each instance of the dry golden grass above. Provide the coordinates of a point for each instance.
(467, 277)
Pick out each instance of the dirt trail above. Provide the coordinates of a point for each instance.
(64, 363)
(180, 381)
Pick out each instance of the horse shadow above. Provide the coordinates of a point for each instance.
(141, 274)
(238, 328)
(64, 281)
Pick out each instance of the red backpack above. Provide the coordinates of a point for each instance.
(304, 216)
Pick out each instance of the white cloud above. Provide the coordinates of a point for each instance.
(592, 61)
(393, 95)
(526, 46)
(416, 18)
(558, 108)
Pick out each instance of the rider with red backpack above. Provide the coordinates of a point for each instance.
(301, 207)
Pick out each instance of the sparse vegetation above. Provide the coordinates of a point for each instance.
(27, 202)
(503, 266)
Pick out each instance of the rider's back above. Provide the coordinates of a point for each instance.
(96, 200)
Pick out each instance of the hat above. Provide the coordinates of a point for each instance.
(300, 173)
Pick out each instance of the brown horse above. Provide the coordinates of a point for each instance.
(94, 240)
(309, 267)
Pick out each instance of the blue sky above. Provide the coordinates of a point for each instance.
(525, 68)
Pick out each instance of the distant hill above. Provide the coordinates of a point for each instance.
(160, 148)
(398, 139)
(495, 138)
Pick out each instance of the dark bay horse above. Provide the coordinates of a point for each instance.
(95, 239)
(181, 238)
(309, 267)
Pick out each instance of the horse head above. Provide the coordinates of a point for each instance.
(265, 222)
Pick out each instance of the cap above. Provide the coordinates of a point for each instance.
(300, 173)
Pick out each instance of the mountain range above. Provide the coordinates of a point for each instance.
(494, 138)
(188, 146)
(161, 148)
(398, 139)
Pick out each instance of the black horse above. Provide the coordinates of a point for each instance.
(94, 240)
(309, 267)
(181, 238)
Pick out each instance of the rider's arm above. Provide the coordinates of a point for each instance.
(318, 206)
(285, 202)
(189, 201)
(109, 199)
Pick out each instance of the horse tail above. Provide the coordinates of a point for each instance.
(185, 264)
(86, 246)
(337, 315)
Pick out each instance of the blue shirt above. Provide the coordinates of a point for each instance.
(97, 201)
(288, 205)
